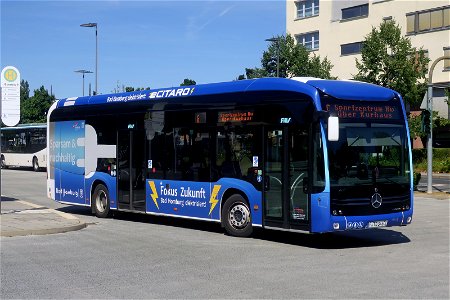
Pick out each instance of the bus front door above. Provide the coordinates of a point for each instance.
(131, 170)
(286, 202)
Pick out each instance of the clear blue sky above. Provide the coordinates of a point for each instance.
(141, 43)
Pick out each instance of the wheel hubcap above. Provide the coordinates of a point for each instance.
(239, 216)
(101, 201)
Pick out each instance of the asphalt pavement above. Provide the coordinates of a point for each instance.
(19, 218)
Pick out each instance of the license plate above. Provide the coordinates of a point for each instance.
(378, 224)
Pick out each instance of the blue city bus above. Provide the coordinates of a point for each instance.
(299, 154)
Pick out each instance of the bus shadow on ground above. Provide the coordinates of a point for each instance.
(150, 219)
(170, 221)
(336, 240)
(4, 198)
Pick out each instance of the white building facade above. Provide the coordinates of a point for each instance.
(337, 28)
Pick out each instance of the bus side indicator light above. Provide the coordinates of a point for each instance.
(255, 207)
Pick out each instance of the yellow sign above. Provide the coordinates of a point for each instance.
(10, 75)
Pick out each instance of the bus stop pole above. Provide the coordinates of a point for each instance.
(430, 134)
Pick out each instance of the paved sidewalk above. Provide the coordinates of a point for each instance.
(20, 218)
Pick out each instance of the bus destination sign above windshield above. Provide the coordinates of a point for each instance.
(362, 111)
(235, 116)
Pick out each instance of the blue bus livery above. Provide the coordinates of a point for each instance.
(299, 154)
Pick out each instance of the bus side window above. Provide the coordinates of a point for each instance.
(236, 148)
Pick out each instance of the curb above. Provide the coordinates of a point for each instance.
(43, 231)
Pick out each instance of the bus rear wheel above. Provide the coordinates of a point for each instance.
(101, 202)
(36, 164)
(236, 217)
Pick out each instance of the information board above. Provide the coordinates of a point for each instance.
(10, 85)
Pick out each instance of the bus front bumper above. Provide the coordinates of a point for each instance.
(341, 223)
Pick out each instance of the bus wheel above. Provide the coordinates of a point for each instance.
(236, 217)
(35, 164)
(101, 201)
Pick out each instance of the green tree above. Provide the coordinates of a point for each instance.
(35, 108)
(292, 59)
(388, 59)
(188, 81)
(24, 91)
(255, 73)
(416, 128)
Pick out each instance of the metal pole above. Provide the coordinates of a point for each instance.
(430, 134)
(430, 140)
(96, 60)
(83, 84)
(96, 51)
(278, 57)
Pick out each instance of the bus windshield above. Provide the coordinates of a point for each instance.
(369, 153)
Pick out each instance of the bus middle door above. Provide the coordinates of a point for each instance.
(286, 171)
(131, 169)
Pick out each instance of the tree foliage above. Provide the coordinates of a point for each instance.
(293, 60)
(187, 82)
(388, 59)
(34, 109)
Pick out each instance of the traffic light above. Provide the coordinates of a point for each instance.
(426, 121)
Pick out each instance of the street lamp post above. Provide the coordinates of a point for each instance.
(83, 72)
(277, 41)
(430, 134)
(96, 52)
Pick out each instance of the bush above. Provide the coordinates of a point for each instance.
(441, 160)
(416, 180)
(419, 155)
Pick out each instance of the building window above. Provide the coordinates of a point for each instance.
(307, 8)
(355, 12)
(309, 40)
(428, 20)
(446, 61)
(352, 48)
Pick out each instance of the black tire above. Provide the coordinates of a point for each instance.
(100, 201)
(236, 217)
(36, 167)
(2, 162)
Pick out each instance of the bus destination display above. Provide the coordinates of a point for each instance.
(351, 110)
(235, 116)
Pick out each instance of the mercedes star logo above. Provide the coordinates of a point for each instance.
(376, 200)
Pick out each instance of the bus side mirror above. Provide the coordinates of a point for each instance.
(333, 129)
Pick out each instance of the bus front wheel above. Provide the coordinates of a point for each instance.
(35, 164)
(236, 217)
(101, 201)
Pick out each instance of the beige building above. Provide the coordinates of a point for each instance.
(337, 28)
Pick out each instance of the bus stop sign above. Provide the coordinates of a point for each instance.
(10, 104)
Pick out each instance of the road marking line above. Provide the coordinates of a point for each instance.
(60, 213)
